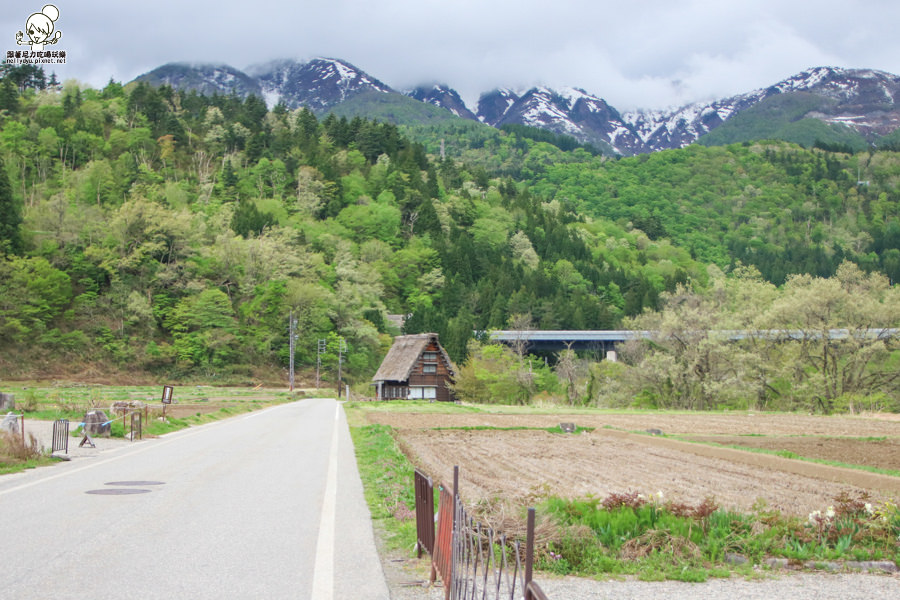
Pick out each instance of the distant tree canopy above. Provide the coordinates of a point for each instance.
(563, 142)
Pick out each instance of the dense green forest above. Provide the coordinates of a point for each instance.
(777, 206)
(155, 231)
(164, 233)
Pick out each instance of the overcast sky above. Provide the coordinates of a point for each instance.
(638, 54)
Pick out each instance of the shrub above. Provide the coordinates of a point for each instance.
(14, 449)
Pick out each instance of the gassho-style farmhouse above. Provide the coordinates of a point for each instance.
(416, 367)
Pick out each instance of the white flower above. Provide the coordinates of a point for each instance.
(659, 495)
(815, 516)
(830, 512)
(869, 509)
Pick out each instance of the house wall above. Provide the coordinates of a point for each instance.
(431, 369)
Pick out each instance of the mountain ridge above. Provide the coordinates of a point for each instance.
(865, 101)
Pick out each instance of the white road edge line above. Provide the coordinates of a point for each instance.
(323, 575)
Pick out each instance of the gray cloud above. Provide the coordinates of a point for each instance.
(646, 54)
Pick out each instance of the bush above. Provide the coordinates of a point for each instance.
(13, 449)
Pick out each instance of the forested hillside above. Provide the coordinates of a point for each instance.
(777, 206)
(169, 234)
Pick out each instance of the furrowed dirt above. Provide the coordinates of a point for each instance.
(528, 464)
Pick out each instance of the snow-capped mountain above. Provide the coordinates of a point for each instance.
(319, 84)
(205, 79)
(569, 111)
(863, 100)
(493, 105)
(676, 128)
(443, 96)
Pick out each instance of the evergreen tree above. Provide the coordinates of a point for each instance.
(10, 217)
(249, 220)
(9, 97)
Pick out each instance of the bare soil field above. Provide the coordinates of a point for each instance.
(738, 423)
(879, 453)
(529, 464)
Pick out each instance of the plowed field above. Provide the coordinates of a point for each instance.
(529, 463)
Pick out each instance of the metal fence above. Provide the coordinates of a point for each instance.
(137, 425)
(475, 562)
(60, 436)
(424, 489)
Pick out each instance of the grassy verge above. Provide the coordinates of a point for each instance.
(16, 455)
(387, 478)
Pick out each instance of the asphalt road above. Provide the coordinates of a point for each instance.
(263, 505)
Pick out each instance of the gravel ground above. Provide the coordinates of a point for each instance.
(406, 579)
(43, 433)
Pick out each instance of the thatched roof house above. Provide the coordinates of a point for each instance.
(416, 366)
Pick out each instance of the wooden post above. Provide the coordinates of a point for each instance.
(529, 552)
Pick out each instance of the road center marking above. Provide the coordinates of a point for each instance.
(323, 575)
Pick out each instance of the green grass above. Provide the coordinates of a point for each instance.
(555, 429)
(652, 540)
(387, 478)
(17, 467)
(37, 397)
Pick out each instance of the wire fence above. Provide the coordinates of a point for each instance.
(475, 562)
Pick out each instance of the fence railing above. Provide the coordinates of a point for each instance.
(60, 436)
(424, 515)
(137, 425)
(475, 562)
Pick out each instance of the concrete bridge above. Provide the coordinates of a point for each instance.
(538, 340)
(602, 341)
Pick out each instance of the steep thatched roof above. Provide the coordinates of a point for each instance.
(401, 358)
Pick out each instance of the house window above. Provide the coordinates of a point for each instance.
(429, 356)
(393, 392)
(429, 368)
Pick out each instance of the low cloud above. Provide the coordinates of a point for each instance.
(649, 54)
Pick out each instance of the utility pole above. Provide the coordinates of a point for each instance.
(342, 348)
(320, 350)
(293, 337)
